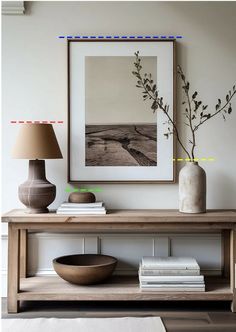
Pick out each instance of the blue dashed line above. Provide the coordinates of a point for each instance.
(121, 37)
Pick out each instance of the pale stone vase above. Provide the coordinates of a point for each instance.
(192, 188)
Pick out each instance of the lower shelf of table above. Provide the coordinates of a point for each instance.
(117, 288)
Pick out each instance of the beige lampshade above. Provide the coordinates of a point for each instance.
(36, 141)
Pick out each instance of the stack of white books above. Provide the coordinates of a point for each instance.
(170, 274)
(81, 208)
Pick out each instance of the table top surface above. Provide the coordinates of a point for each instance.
(121, 216)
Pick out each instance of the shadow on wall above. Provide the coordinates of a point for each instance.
(223, 191)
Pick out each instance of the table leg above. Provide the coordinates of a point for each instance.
(13, 268)
(23, 253)
(226, 253)
(233, 267)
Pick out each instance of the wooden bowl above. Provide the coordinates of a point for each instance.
(87, 197)
(85, 269)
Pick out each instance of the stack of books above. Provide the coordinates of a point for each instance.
(81, 208)
(170, 274)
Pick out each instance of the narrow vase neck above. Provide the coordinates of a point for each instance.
(191, 163)
(37, 170)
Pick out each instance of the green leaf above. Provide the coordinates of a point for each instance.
(229, 110)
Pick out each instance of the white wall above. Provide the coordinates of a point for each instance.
(35, 88)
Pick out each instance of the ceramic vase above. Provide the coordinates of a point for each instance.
(192, 189)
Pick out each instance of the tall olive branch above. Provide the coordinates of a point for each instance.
(150, 91)
(190, 115)
(195, 117)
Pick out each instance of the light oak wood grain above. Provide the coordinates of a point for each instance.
(23, 253)
(226, 252)
(118, 288)
(233, 268)
(116, 221)
(13, 268)
(122, 216)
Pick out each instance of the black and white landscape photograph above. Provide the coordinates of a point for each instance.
(121, 145)
(120, 129)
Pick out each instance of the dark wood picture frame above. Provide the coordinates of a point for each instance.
(69, 42)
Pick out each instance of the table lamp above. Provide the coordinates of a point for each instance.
(34, 142)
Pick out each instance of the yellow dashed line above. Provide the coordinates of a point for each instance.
(195, 159)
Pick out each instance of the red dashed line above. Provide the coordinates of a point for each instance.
(44, 122)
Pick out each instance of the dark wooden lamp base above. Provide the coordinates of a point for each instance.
(37, 192)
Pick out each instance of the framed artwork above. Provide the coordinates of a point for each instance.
(113, 135)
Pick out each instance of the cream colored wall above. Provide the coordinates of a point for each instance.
(34, 76)
(111, 93)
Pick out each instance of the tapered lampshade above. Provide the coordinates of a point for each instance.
(36, 141)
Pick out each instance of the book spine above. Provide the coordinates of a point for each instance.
(167, 284)
(190, 279)
(82, 213)
(151, 272)
(202, 289)
(169, 267)
(171, 285)
(80, 209)
(81, 205)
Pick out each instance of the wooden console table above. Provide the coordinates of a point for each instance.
(21, 288)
